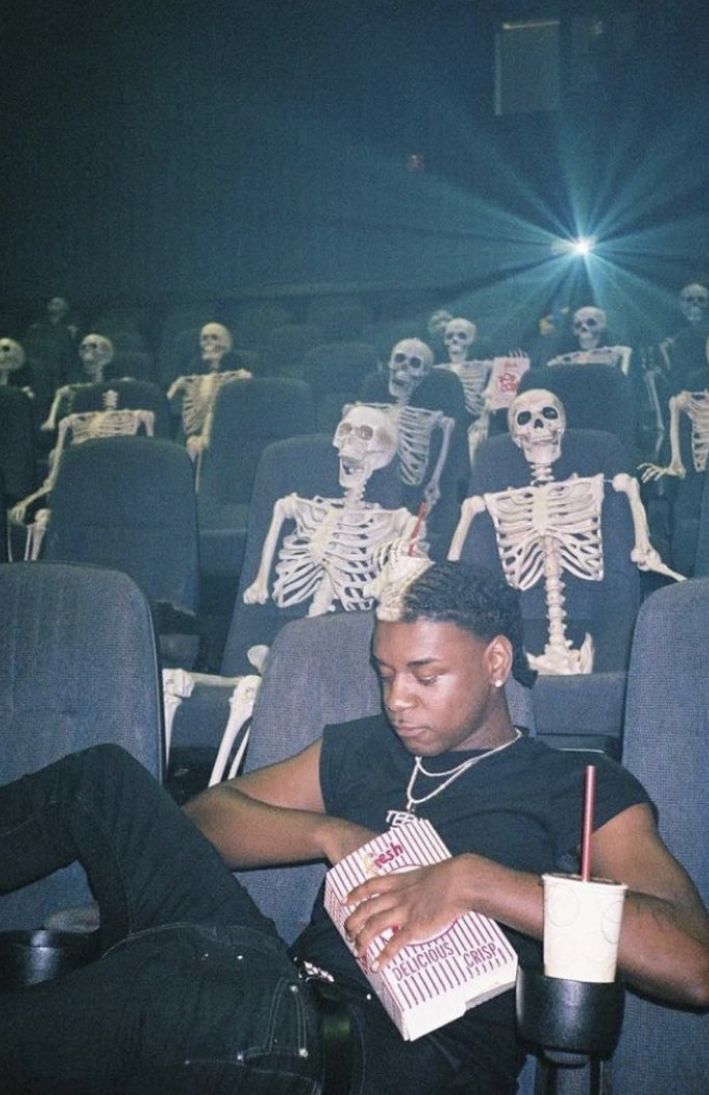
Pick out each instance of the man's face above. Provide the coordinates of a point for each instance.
(437, 684)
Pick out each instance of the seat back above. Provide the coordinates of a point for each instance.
(605, 608)
(136, 364)
(595, 397)
(318, 672)
(129, 503)
(701, 558)
(17, 446)
(248, 416)
(78, 666)
(666, 733)
(336, 372)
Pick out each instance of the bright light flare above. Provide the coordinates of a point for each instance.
(581, 246)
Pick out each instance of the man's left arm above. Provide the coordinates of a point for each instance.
(664, 942)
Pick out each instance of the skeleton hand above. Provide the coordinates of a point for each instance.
(647, 558)
(256, 593)
(654, 471)
(431, 495)
(194, 446)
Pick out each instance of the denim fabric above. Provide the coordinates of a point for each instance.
(195, 992)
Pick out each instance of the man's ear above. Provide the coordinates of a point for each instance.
(498, 657)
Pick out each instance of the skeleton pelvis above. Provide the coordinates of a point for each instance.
(563, 660)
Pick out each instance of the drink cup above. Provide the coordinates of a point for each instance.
(581, 927)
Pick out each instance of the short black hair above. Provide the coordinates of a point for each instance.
(474, 599)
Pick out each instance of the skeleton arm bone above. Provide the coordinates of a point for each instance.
(469, 510)
(431, 494)
(177, 386)
(19, 510)
(678, 403)
(283, 510)
(643, 554)
(61, 393)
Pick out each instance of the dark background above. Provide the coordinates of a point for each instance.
(180, 151)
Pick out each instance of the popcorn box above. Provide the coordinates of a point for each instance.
(431, 982)
(504, 380)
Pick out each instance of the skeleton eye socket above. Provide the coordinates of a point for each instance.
(400, 359)
(524, 418)
(416, 363)
(365, 433)
(550, 413)
(345, 429)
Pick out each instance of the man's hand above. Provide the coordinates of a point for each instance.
(413, 905)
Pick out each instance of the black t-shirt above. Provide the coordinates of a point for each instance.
(521, 807)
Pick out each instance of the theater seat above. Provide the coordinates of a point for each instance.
(78, 666)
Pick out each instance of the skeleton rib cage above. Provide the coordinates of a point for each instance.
(564, 517)
(475, 377)
(334, 551)
(199, 392)
(696, 406)
(415, 426)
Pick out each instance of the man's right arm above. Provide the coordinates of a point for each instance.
(275, 815)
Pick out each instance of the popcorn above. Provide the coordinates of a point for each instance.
(433, 981)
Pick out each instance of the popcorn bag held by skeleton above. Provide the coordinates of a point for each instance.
(431, 982)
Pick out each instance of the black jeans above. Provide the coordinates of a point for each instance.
(194, 993)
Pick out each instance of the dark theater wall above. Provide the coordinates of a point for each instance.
(190, 150)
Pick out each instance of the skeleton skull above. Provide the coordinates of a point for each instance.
(366, 440)
(410, 362)
(214, 341)
(57, 309)
(590, 327)
(12, 358)
(694, 302)
(459, 336)
(537, 421)
(95, 351)
(437, 322)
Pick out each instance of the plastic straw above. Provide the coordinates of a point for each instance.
(589, 794)
(417, 528)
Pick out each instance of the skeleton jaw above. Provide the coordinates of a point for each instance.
(354, 474)
(400, 387)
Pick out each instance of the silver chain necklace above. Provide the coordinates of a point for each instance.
(452, 774)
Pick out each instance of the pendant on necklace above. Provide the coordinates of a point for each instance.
(400, 817)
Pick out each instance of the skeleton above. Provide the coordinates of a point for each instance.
(590, 326)
(554, 526)
(696, 406)
(110, 422)
(411, 362)
(339, 545)
(476, 375)
(179, 684)
(618, 356)
(12, 358)
(694, 306)
(459, 335)
(199, 390)
(694, 302)
(96, 352)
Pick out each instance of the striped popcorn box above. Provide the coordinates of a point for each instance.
(433, 981)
